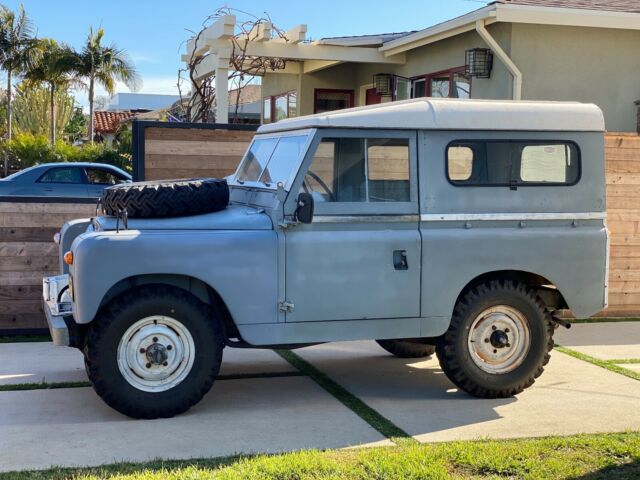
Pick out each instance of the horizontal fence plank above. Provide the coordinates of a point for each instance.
(30, 234)
(22, 320)
(26, 278)
(25, 249)
(22, 264)
(195, 162)
(20, 292)
(197, 134)
(164, 173)
(56, 208)
(182, 147)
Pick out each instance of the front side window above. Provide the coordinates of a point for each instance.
(360, 170)
(271, 160)
(483, 162)
(100, 176)
(62, 175)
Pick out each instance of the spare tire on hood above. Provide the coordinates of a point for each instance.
(166, 198)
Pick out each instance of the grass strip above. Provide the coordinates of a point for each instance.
(42, 386)
(598, 456)
(607, 364)
(24, 338)
(56, 385)
(603, 319)
(625, 360)
(382, 424)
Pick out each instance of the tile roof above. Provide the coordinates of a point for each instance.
(107, 122)
(631, 6)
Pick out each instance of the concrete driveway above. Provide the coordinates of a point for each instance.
(262, 404)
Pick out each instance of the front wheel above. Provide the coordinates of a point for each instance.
(154, 351)
(498, 342)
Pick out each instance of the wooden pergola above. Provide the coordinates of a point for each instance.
(214, 47)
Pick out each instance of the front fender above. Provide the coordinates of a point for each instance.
(69, 232)
(241, 266)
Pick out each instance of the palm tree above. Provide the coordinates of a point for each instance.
(17, 49)
(54, 67)
(103, 65)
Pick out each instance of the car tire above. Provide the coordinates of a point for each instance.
(154, 351)
(498, 341)
(166, 198)
(407, 348)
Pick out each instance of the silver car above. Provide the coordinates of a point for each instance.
(462, 227)
(79, 179)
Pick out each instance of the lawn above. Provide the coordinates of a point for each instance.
(586, 457)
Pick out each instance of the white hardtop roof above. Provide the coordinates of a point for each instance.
(455, 114)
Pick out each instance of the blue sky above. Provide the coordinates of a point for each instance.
(152, 31)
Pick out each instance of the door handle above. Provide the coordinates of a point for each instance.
(400, 260)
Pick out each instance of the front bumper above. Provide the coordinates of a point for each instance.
(57, 308)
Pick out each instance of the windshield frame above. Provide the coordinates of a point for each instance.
(308, 132)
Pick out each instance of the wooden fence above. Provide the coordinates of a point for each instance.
(27, 253)
(622, 152)
(187, 150)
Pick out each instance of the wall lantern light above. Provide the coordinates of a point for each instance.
(383, 83)
(478, 62)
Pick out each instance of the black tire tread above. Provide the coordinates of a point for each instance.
(166, 198)
(445, 349)
(407, 348)
(97, 331)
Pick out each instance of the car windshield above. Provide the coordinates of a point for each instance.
(272, 160)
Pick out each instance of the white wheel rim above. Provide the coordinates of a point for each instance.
(499, 339)
(156, 353)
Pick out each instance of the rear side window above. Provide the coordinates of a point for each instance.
(62, 175)
(512, 163)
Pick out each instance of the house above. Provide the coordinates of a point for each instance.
(106, 124)
(510, 49)
(140, 101)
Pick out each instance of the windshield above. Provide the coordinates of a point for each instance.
(271, 160)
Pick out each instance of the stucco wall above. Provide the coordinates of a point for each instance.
(596, 65)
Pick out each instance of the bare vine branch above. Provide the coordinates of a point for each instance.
(198, 106)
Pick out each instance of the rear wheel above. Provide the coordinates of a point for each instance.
(154, 351)
(408, 348)
(498, 342)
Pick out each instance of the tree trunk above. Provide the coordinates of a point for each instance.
(52, 106)
(91, 126)
(9, 109)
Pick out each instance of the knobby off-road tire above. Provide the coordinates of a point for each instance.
(154, 351)
(500, 304)
(166, 198)
(408, 348)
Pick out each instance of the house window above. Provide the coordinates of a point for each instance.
(280, 106)
(453, 83)
(326, 100)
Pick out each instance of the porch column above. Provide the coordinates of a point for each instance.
(222, 95)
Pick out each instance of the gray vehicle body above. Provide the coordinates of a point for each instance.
(33, 181)
(278, 281)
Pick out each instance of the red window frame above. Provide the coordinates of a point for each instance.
(441, 73)
(272, 103)
(333, 90)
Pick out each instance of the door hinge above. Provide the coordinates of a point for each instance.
(285, 306)
(286, 223)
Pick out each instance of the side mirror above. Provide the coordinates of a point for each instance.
(304, 209)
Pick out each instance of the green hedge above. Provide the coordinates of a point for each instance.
(25, 150)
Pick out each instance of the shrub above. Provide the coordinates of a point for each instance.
(25, 150)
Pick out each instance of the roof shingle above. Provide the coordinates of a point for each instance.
(107, 122)
(631, 6)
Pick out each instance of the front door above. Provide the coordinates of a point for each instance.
(372, 97)
(360, 258)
